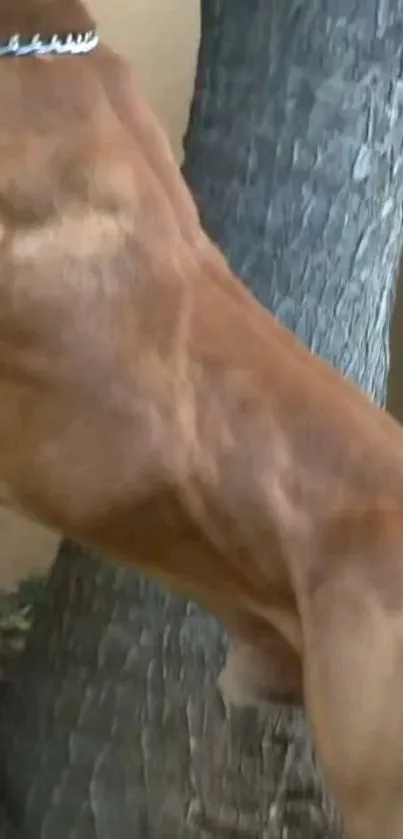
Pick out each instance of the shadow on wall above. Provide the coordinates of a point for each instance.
(395, 381)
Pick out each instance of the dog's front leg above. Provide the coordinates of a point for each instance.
(353, 675)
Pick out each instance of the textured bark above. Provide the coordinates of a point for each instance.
(295, 159)
(7, 829)
(395, 378)
(113, 726)
(117, 729)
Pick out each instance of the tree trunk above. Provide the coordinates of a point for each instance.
(113, 726)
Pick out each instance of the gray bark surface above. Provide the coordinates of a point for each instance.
(117, 729)
(113, 726)
(294, 155)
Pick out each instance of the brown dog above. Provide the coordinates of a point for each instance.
(151, 407)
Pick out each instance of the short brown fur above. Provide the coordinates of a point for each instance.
(151, 407)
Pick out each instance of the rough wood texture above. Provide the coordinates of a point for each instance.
(294, 156)
(113, 726)
(121, 732)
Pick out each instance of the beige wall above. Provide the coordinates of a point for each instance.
(160, 38)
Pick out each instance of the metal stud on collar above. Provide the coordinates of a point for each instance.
(70, 44)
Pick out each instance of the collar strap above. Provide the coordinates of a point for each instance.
(71, 44)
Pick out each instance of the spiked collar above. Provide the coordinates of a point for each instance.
(72, 43)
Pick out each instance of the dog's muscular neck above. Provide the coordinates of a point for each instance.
(267, 446)
(151, 407)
